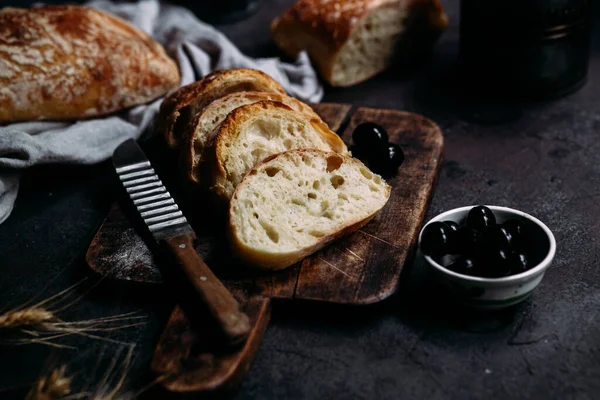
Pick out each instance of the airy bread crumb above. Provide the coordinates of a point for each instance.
(295, 203)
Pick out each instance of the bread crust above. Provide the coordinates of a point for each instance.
(230, 128)
(323, 27)
(284, 260)
(71, 62)
(178, 110)
(189, 148)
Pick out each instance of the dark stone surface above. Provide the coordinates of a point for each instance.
(544, 159)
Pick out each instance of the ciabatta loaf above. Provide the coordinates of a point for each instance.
(256, 131)
(71, 62)
(350, 41)
(205, 123)
(295, 203)
(179, 109)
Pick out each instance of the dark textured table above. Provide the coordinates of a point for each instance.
(414, 345)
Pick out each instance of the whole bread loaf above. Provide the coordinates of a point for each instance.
(204, 126)
(180, 108)
(350, 41)
(296, 202)
(71, 62)
(256, 131)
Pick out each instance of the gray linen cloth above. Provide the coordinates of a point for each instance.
(198, 49)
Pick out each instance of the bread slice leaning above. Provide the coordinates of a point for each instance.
(296, 202)
(256, 131)
(179, 108)
(203, 131)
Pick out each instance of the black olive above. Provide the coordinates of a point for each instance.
(497, 263)
(395, 155)
(498, 237)
(370, 136)
(386, 161)
(519, 262)
(465, 266)
(453, 225)
(437, 239)
(480, 217)
(360, 153)
(470, 242)
(518, 231)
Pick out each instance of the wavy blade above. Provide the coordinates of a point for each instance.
(150, 197)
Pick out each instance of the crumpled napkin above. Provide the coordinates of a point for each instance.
(197, 47)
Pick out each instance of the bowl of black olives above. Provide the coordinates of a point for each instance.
(490, 257)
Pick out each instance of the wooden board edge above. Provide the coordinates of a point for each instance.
(218, 384)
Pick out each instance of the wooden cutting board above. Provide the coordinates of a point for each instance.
(362, 268)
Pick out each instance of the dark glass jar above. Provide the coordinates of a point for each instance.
(524, 49)
(220, 11)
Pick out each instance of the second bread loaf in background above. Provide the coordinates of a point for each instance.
(351, 41)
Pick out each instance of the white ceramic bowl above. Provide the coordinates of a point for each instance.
(496, 293)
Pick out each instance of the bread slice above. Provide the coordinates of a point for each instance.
(179, 108)
(255, 131)
(296, 202)
(354, 40)
(203, 128)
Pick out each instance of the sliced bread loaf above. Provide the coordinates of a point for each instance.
(296, 202)
(203, 127)
(256, 131)
(179, 108)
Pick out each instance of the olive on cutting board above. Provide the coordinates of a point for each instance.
(372, 146)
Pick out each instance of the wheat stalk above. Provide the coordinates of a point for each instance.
(29, 316)
(39, 323)
(57, 385)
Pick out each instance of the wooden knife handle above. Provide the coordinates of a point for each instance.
(220, 302)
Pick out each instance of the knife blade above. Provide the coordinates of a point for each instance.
(171, 230)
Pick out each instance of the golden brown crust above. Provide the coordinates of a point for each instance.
(70, 62)
(189, 148)
(179, 109)
(230, 128)
(330, 20)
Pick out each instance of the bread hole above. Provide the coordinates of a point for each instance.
(245, 145)
(316, 233)
(316, 185)
(342, 196)
(328, 214)
(300, 230)
(324, 204)
(373, 188)
(290, 130)
(333, 162)
(270, 231)
(255, 215)
(287, 143)
(337, 181)
(312, 195)
(366, 173)
(256, 153)
(298, 202)
(272, 171)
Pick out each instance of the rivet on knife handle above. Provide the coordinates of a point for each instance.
(170, 228)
